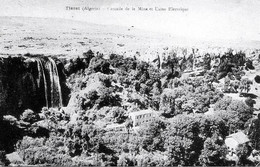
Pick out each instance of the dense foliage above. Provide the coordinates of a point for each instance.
(105, 91)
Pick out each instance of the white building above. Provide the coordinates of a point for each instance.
(142, 117)
(234, 140)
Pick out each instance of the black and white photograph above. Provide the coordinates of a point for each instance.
(130, 83)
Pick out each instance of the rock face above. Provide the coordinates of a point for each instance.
(31, 81)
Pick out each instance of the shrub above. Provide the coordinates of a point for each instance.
(257, 79)
(99, 65)
(29, 116)
(38, 151)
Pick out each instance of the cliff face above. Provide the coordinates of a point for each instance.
(31, 82)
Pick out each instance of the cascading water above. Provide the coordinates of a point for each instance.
(31, 82)
(55, 83)
(48, 76)
(41, 75)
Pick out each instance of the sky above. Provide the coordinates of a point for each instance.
(204, 19)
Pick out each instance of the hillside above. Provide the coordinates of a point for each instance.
(80, 94)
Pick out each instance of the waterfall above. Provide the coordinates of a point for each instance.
(41, 74)
(49, 76)
(55, 82)
(31, 82)
(50, 69)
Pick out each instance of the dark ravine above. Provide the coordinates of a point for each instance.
(31, 82)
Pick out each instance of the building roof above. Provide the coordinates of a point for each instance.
(141, 112)
(240, 137)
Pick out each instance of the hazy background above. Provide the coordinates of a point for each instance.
(205, 19)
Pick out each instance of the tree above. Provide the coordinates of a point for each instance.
(223, 103)
(142, 68)
(144, 89)
(243, 151)
(243, 112)
(118, 114)
(107, 97)
(206, 62)
(249, 65)
(122, 63)
(152, 138)
(128, 125)
(250, 102)
(98, 64)
(179, 151)
(214, 152)
(234, 86)
(254, 132)
(37, 151)
(184, 137)
(171, 62)
(189, 106)
(157, 61)
(90, 100)
(234, 112)
(87, 57)
(257, 79)
(231, 120)
(245, 85)
(167, 102)
(126, 160)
